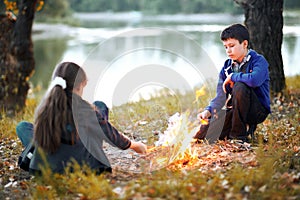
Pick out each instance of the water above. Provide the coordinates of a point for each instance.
(121, 54)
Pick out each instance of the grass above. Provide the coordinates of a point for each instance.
(274, 174)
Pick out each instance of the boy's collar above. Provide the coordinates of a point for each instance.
(236, 66)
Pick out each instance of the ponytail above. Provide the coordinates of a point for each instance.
(51, 120)
(55, 111)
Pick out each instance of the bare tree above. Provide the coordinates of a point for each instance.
(16, 56)
(264, 20)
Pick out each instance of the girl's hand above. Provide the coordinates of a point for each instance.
(138, 147)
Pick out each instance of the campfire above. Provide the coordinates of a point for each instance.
(174, 145)
(176, 149)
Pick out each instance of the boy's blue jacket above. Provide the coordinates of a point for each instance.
(256, 77)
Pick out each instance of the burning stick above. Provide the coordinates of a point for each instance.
(204, 121)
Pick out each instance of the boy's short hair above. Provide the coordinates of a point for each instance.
(235, 31)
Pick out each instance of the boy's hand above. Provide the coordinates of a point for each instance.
(228, 81)
(204, 115)
(138, 147)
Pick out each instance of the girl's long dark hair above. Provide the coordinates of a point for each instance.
(55, 110)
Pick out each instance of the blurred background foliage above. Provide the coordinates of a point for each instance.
(163, 7)
(64, 8)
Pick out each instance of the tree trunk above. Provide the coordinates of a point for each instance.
(7, 63)
(264, 21)
(17, 61)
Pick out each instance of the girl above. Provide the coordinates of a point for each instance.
(67, 128)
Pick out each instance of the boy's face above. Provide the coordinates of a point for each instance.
(236, 50)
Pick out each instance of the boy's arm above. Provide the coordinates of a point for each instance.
(256, 77)
(218, 102)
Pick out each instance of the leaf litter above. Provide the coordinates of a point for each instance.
(279, 130)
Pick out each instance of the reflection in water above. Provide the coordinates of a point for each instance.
(75, 43)
(290, 54)
(47, 53)
(122, 64)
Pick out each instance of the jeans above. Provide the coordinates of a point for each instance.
(25, 130)
(246, 110)
(102, 109)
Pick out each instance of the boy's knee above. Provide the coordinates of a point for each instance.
(239, 86)
(240, 89)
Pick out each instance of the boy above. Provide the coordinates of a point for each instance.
(243, 88)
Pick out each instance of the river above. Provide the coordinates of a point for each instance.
(145, 53)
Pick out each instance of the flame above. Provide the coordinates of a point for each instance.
(174, 145)
(201, 92)
(186, 159)
(204, 121)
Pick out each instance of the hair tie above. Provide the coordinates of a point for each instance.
(58, 81)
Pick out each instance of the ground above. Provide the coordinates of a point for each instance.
(271, 163)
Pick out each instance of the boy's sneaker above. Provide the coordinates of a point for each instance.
(251, 130)
(241, 145)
